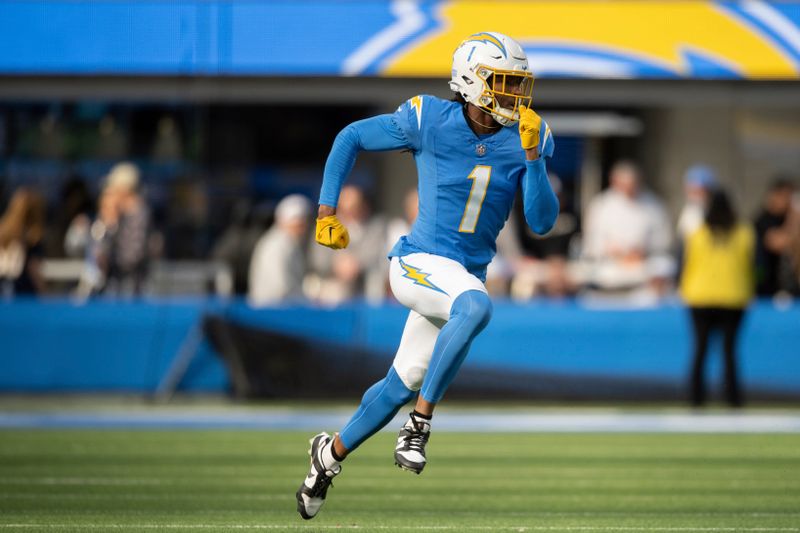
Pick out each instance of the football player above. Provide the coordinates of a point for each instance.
(472, 154)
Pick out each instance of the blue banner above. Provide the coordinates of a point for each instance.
(582, 38)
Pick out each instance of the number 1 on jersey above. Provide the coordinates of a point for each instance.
(480, 176)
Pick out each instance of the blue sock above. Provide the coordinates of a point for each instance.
(378, 406)
(470, 313)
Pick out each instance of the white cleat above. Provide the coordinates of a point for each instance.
(311, 494)
(409, 454)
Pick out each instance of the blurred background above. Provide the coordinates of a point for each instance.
(160, 164)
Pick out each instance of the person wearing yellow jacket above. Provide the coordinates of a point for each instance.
(717, 285)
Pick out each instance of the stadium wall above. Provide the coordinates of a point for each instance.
(129, 346)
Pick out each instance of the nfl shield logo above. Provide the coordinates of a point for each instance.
(480, 150)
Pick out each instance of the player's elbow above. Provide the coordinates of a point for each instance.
(348, 136)
(541, 224)
(541, 229)
(541, 215)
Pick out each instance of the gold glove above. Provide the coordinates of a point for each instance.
(331, 233)
(529, 126)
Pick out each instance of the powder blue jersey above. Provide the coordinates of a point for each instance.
(467, 182)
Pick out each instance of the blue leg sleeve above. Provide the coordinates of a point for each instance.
(470, 313)
(378, 406)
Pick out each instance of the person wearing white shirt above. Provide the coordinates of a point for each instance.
(627, 237)
(278, 263)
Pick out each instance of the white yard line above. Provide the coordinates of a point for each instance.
(393, 528)
(490, 421)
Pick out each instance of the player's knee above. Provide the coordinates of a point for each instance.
(483, 308)
(398, 389)
(474, 307)
(412, 376)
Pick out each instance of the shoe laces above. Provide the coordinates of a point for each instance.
(416, 434)
(323, 479)
(321, 485)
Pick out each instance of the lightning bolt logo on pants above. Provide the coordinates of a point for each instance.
(418, 277)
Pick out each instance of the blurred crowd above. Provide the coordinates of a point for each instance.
(625, 247)
(112, 237)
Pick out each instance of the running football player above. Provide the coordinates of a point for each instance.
(471, 160)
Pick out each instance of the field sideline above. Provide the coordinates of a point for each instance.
(239, 480)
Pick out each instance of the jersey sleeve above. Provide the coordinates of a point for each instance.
(379, 133)
(408, 118)
(540, 204)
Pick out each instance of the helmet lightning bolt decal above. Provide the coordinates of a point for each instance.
(487, 38)
(418, 277)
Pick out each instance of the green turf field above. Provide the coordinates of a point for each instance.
(81, 480)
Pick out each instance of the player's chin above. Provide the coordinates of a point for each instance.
(506, 116)
(505, 119)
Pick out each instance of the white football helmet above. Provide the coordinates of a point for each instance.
(490, 70)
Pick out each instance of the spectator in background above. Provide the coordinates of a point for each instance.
(774, 239)
(236, 244)
(793, 226)
(102, 233)
(627, 238)
(396, 228)
(717, 285)
(400, 226)
(359, 269)
(700, 182)
(21, 233)
(507, 259)
(541, 264)
(278, 263)
(128, 245)
(69, 232)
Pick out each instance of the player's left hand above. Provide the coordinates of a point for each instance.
(530, 124)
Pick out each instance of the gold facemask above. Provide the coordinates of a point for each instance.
(504, 91)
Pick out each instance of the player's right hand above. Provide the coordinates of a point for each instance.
(332, 233)
(530, 124)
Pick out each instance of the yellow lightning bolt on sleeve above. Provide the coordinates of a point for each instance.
(416, 105)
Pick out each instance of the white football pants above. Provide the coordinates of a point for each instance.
(428, 285)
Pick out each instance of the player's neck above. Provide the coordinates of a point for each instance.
(479, 122)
